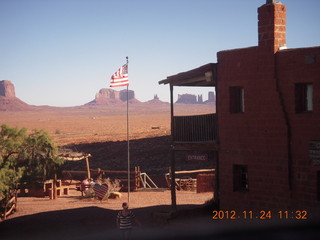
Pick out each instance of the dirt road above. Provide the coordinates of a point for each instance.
(74, 217)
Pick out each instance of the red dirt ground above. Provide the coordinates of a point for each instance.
(74, 216)
(71, 217)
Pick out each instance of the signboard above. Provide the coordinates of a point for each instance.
(196, 157)
(314, 152)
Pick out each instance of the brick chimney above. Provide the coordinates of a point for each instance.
(272, 25)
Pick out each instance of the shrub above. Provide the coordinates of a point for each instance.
(25, 157)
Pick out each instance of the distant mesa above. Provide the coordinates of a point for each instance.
(187, 98)
(156, 100)
(105, 97)
(194, 99)
(211, 97)
(109, 96)
(8, 99)
(7, 89)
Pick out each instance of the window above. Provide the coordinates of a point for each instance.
(236, 99)
(310, 59)
(240, 178)
(304, 97)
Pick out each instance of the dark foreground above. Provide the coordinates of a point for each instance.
(99, 223)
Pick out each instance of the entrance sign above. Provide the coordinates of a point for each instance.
(196, 157)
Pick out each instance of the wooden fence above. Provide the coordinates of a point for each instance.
(8, 207)
(186, 181)
(135, 179)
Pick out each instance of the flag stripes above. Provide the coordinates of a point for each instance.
(120, 77)
(100, 190)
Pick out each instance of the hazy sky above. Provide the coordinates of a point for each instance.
(62, 52)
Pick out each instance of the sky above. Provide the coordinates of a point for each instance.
(62, 52)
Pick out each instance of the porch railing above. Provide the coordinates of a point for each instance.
(198, 128)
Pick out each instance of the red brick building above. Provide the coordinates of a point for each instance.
(268, 120)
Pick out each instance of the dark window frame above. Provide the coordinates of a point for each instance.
(303, 97)
(240, 178)
(236, 94)
(318, 185)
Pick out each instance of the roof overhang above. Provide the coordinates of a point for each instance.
(205, 75)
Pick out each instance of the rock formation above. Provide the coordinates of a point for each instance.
(187, 98)
(156, 100)
(211, 97)
(109, 96)
(193, 99)
(7, 89)
(124, 96)
(8, 99)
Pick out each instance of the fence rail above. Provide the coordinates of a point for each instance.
(8, 207)
(147, 181)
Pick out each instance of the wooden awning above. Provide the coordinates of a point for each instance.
(205, 75)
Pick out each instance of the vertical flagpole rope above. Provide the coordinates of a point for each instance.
(128, 140)
(119, 79)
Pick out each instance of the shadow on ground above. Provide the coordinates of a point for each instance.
(191, 222)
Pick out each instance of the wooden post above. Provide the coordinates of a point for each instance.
(173, 182)
(216, 195)
(216, 156)
(139, 174)
(135, 178)
(173, 176)
(88, 167)
(54, 187)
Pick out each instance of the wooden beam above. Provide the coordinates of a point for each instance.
(195, 146)
(97, 171)
(195, 171)
(71, 158)
(204, 80)
(205, 75)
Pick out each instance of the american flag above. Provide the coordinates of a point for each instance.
(120, 77)
(100, 190)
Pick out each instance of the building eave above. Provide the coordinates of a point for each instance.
(205, 75)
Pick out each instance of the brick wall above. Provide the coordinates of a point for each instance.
(280, 175)
(256, 138)
(293, 66)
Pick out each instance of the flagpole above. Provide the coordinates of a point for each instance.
(128, 140)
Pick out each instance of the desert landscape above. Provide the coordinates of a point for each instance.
(100, 129)
(102, 119)
(87, 125)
